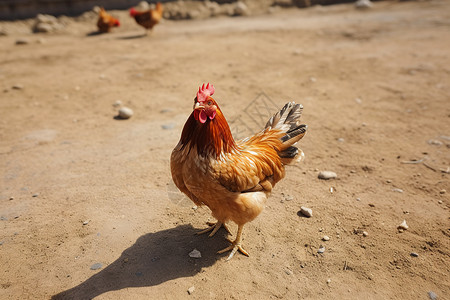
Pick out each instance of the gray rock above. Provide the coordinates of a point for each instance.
(363, 4)
(96, 266)
(240, 9)
(168, 126)
(321, 250)
(306, 211)
(195, 254)
(326, 175)
(432, 295)
(125, 113)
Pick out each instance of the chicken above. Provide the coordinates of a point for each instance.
(233, 178)
(106, 21)
(148, 19)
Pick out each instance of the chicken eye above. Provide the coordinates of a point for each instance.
(209, 102)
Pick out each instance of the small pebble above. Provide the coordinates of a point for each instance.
(327, 175)
(435, 142)
(11, 198)
(443, 191)
(440, 202)
(363, 4)
(306, 211)
(397, 190)
(22, 42)
(365, 233)
(86, 222)
(125, 113)
(358, 100)
(168, 126)
(1, 243)
(3, 218)
(358, 199)
(18, 87)
(288, 272)
(328, 281)
(414, 254)
(340, 140)
(35, 195)
(96, 266)
(388, 181)
(403, 225)
(117, 103)
(195, 254)
(312, 79)
(191, 290)
(432, 295)
(325, 238)
(321, 250)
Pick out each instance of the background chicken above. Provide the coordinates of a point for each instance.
(106, 21)
(149, 18)
(233, 178)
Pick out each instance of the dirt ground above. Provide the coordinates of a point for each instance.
(80, 187)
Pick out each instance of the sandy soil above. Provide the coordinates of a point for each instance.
(375, 87)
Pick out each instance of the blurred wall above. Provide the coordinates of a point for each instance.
(22, 9)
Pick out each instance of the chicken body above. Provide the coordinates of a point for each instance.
(234, 179)
(106, 21)
(148, 19)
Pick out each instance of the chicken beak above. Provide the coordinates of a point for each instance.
(197, 105)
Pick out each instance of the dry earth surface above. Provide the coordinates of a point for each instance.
(79, 187)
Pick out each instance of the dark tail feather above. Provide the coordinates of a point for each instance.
(288, 121)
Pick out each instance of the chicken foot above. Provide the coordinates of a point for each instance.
(214, 227)
(235, 245)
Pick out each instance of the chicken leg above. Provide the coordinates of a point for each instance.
(214, 227)
(235, 245)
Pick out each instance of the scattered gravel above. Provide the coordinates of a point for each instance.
(96, 266)
(195, 254)
(125, 113)
(327, 175)
(306, 211)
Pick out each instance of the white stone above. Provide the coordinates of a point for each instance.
(306, 211)
(403, 225)
(195, 254)
(327, 175)
(125, 113)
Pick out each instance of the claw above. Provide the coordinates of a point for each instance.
(214, 227)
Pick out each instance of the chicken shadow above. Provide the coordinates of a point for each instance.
(132, 37)
(153, 259)
(94, 33)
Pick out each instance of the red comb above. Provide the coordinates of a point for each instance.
(204, 92)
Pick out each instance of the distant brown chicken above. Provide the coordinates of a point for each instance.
(106, 21)
(148, 19)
